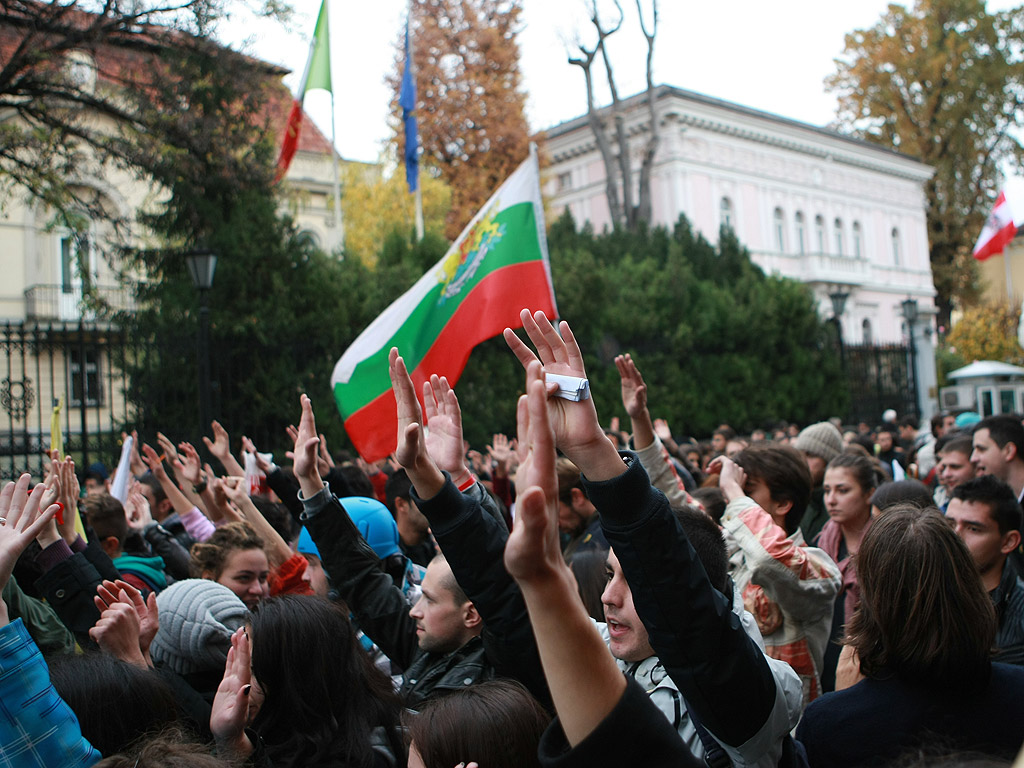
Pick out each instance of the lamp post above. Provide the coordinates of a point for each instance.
(909, 307)
(202, 263)
(839, 298)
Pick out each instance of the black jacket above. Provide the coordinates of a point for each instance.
(723, 675)
(381, 610)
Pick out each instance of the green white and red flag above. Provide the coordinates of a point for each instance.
(316, 75)
(497, 266)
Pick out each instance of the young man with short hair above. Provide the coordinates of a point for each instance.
(954, 467)
(985, 514)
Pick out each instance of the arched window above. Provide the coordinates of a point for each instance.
(895, 246)
(856, 240)
(308, 237)
(801, 233)
(726, 212)
(838, 226)
(819, 232)
(865, 329)
(780, 230)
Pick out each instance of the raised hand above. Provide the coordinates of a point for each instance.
(577, 431)
(136, 508)
(220, 448)
(634, 391)
(533, 551)
(69, 491)
(117, 631)
(153, 461)
(444, 427)
(188, 464)
(661, 429)
(136, 465)
(412, 450)
(110, 592)
(231, 704)
(21, 520)
(167, 447)
(304, 457)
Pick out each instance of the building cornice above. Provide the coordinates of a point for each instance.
(795, 136)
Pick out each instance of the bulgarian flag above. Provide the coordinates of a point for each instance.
(316, 75)
(498, 265)
(999, 230)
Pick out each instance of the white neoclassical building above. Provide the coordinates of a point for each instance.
(840, 214)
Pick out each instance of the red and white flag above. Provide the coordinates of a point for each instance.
(999, 230)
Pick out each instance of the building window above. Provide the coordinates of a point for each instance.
(801, 233)
(75, 260)
(895, 246)
(856, 240)
(307, 238)
(839, 236)
(865, 329)
(780, 230)
(819, 232)
(727, 213)
(84, 372)
(564, 181)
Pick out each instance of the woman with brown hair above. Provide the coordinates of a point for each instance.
(234, 557)
(496, 724)
(923, 634)
(849, 486)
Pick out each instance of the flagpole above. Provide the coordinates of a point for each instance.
(335, 161)
(419, 185)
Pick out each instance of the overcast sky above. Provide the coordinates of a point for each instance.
(770, 56)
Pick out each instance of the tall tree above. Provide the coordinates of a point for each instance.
(942, 82)
(618, 158)
(469, 97)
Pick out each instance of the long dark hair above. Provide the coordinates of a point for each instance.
(324, 696)
(924, 614)
(497, 724)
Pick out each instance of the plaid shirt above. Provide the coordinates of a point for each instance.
(37, 728)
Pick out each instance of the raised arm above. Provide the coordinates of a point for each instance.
(720, 671)
(602, 718)
(220, 448)
(649, 449)
(471, 537)
(34, 716)
(379, 606)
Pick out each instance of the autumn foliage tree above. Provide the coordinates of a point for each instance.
(375, 207)
(987, 332)
(942, 82)
(469, 97)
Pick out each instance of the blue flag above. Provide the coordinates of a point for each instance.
(407, 100)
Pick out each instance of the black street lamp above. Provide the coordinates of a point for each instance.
(839, 298)
(202, 263)
(909, 307)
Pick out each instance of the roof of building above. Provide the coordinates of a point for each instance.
(668, 91)
(119, 54)
(986, 368)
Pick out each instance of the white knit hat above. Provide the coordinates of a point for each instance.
(197, 619)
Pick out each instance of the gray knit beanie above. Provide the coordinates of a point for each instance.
(197, 619)
(822, 440)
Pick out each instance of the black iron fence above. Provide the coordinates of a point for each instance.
(879, 377)
(42, 364)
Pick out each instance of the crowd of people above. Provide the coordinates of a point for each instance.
(580, 595)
